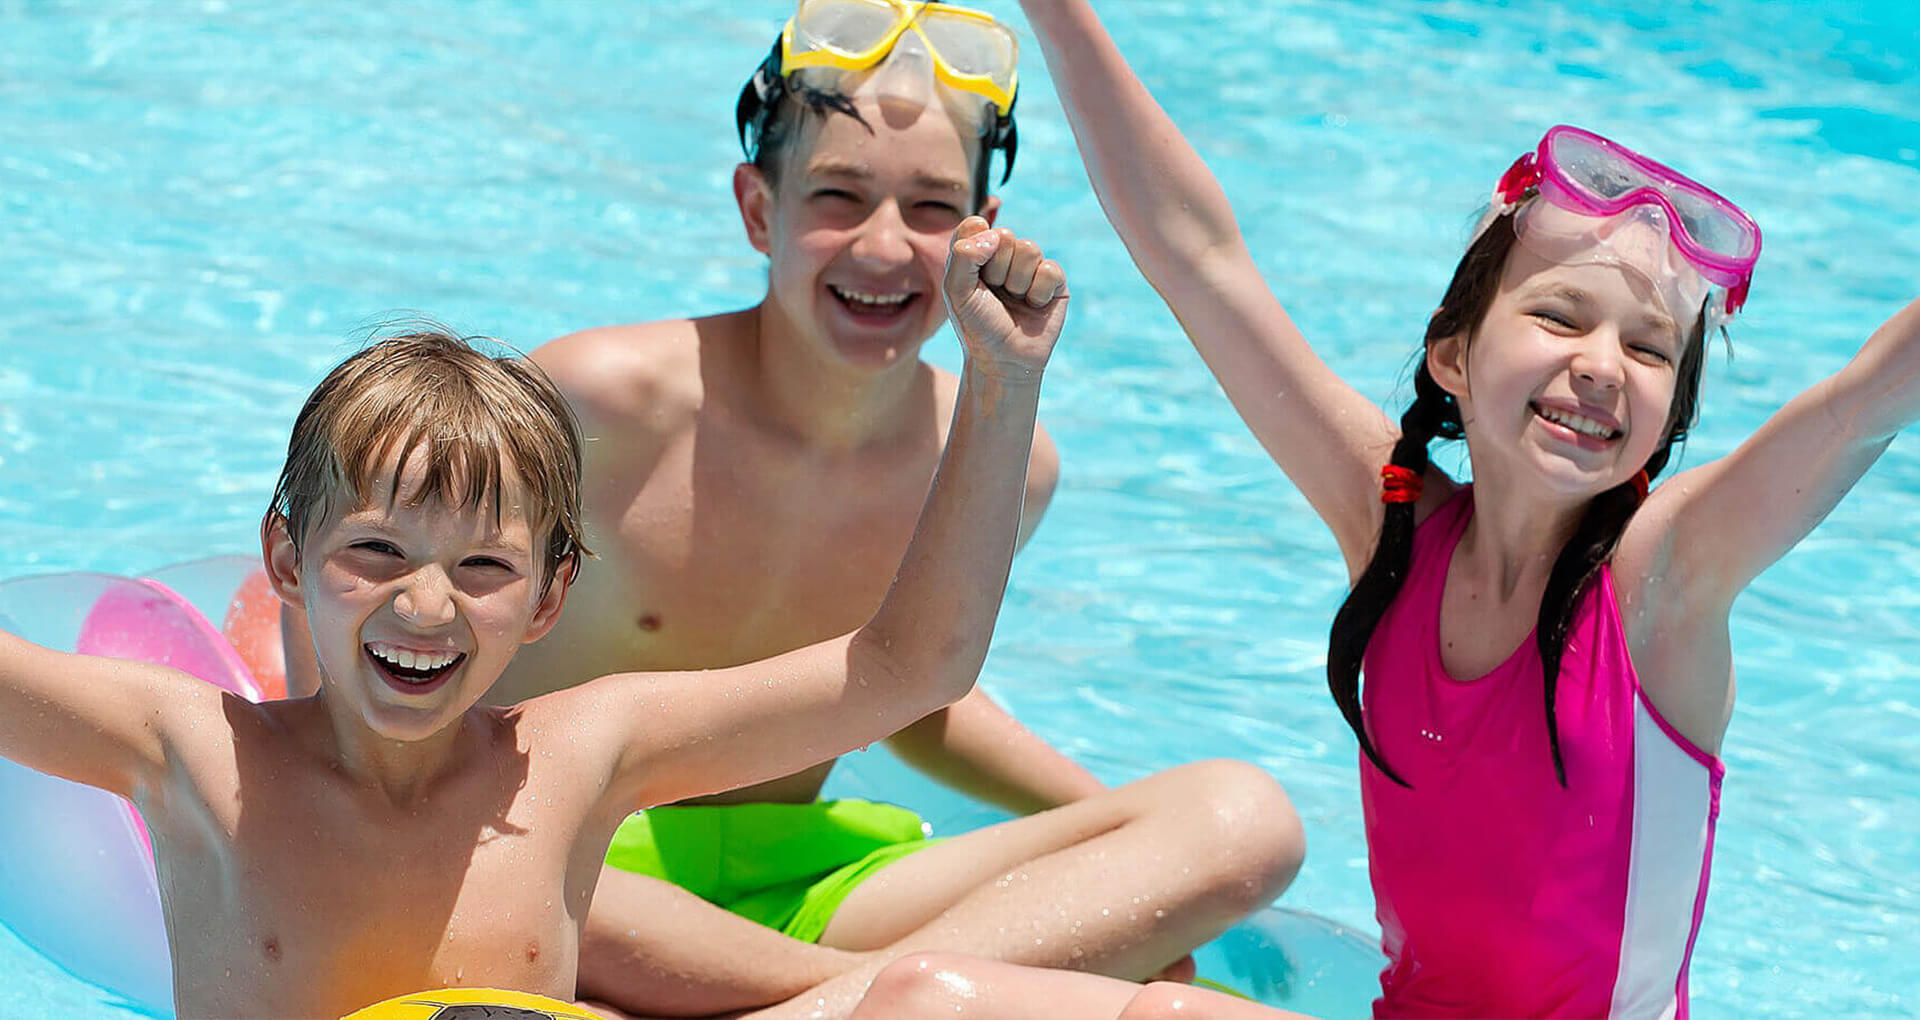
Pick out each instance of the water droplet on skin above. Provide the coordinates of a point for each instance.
(1159, 913)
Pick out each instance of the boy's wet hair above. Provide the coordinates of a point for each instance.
(480, 420)
(1435, 414)
(772, 110)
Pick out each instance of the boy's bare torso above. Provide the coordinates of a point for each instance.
(295, 889)
(736, 539)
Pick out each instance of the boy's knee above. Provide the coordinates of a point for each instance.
(1255, 843)
(917, 985)
(1161, 1000)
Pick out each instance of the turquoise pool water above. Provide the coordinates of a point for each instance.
(199, 202)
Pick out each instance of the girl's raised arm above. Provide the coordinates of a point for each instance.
(1734, 517)
(1176, 222)
(1707, 533)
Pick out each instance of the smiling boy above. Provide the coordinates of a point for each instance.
(752, 478)
(390, 833)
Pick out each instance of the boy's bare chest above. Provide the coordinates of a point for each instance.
(733, 559)
(304, 902)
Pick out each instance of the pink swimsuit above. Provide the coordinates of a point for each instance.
(1500, 893)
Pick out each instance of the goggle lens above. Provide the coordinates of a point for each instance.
(971, 46)
(1608, 177)
(852, 28)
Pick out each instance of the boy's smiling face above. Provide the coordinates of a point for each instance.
(857, 222)
(417, 606)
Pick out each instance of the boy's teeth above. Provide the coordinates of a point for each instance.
(864, 298)
(408, 659)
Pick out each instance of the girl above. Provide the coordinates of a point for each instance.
(1548, 666)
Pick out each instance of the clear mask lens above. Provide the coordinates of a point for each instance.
(906, 76)
(1636, 239)
(847, 27)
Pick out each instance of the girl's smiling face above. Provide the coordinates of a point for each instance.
(416, 606)
(1570, 377)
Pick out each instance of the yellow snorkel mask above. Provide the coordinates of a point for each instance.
(968, 50)
(971, 51)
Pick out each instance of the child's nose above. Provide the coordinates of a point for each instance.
(426, 599)
(883, 238)
(1598, 360)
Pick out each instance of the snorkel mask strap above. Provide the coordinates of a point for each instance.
(1520, 180)
(1002, 134)
(758, 98)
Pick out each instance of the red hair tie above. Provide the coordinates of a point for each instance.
(1640, 484)
(1399, 484)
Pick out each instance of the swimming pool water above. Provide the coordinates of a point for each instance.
(200, 202)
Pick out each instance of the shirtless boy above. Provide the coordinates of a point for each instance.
(752, 479)
(390, 834)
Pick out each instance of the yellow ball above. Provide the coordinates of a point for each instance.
(471, 1004)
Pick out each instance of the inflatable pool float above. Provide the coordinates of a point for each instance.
(76, 868)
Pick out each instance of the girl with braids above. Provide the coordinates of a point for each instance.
(1547, 666)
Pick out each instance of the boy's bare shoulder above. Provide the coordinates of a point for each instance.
(647, 374)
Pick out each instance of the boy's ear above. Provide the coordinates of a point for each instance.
(1447, 363)
(548, 612)
(753, 193)
(282, 561)
(989, 209)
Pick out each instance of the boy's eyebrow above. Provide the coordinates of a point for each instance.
(924, 179)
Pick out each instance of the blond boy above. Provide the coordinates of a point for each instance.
(389, 833)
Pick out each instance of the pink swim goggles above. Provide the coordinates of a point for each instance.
(1583, 173)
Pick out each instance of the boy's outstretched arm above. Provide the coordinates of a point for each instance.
(102, 722)
(678, 735)
(1177, 224)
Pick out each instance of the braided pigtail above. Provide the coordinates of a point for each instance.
(1433, 415)
(1380, 583)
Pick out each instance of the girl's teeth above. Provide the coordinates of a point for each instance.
(1582, 425)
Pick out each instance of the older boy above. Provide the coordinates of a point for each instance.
(389, 833)
(752, 477)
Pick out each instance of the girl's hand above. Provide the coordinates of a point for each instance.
(1006, 299)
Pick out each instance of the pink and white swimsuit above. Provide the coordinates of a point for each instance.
(1499, 892)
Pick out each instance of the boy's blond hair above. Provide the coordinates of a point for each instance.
(474, 416)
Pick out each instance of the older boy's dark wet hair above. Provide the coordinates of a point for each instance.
(478, 419)
(772, 109)
(1435, 414)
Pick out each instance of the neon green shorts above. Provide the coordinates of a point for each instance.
(787, 866)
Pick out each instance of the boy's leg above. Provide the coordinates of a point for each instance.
(653, 948)
(1122, 883)
(938, 984)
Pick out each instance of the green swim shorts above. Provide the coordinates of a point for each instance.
(787, 866)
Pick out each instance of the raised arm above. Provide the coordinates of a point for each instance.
(685, 734)
(1704, 535)
(102, 722)
(1176, 222)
